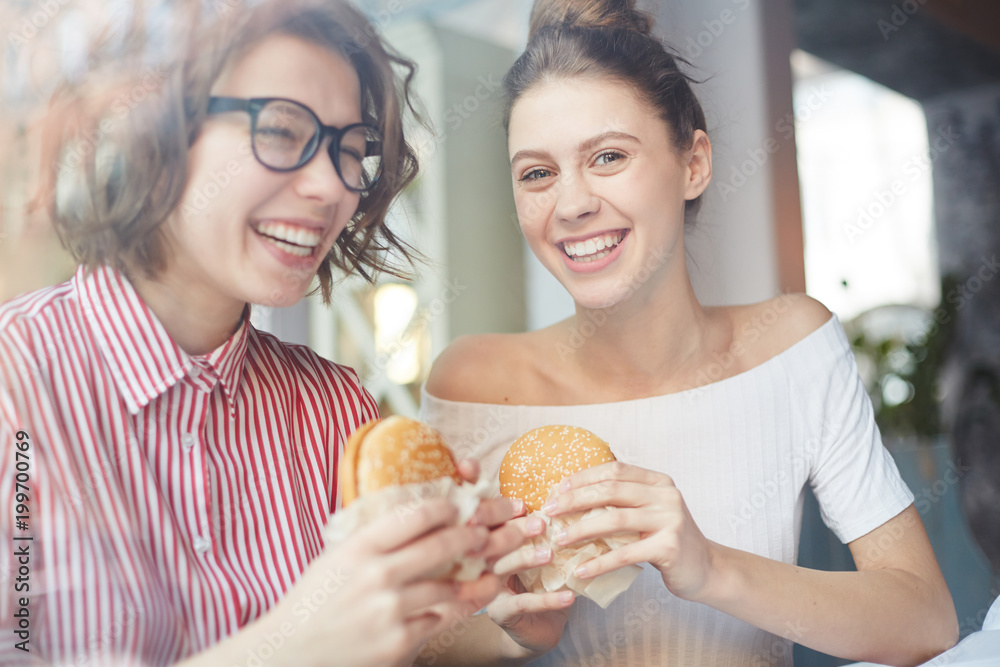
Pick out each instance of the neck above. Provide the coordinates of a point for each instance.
(198, 321)
(648, 344)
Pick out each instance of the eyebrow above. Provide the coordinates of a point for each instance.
(582, 148)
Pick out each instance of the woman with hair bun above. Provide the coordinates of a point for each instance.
(719, 416)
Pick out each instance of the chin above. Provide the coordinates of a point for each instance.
(278, 298)
(593, 301)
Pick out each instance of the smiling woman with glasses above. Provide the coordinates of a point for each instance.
(184, 464)
(286, 134)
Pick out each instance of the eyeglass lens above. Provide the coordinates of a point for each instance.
(286, 135)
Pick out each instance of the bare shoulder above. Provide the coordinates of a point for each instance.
(768, 328)
(798, 315)
(480, 368)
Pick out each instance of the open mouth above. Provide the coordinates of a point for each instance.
(292, 239)
(594, 248)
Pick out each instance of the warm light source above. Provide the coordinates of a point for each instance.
(397, 347)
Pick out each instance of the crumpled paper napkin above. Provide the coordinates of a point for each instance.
(559, 574)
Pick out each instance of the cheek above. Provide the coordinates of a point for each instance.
(532, 211)
(222, 174)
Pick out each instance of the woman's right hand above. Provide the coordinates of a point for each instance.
(533, 621)
(367, 601)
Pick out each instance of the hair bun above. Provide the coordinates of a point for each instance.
(619, 14)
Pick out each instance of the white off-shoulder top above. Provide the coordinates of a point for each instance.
(741, 451)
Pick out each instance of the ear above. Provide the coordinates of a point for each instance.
(699, 165)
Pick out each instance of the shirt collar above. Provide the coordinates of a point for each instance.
(144, 361)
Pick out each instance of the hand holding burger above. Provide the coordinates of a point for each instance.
(534, 464)
(394, 466)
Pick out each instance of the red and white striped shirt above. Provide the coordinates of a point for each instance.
(172, 499)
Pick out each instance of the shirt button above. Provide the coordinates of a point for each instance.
(187, 440)
(202, 544)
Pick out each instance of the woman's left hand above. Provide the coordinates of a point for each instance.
(639, 501)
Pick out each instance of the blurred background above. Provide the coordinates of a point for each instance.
(857, 158)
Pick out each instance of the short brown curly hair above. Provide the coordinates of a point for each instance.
(118, 139)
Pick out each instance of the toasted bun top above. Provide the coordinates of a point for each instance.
(542, 457)
(391, 452)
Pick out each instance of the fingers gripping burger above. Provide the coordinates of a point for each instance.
(532, 466)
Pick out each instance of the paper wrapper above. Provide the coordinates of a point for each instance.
(558, 575)
(403, 501)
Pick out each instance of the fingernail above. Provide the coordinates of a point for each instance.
(549, 506)
(561, 537)
(535, 526)
(566, 597)
(564, 485)
(518, 506)
(542, 554)
(581, 572)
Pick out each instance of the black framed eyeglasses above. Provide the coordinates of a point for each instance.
(285, 135)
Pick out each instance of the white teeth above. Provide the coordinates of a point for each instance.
(591, 258)
(301, 239)
(594, 248)
(298, 251)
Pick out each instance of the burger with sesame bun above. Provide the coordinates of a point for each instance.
(535, 463)
(393, 452)
(393, 465)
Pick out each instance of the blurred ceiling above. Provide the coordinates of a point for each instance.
(920, 48)
(503, 22)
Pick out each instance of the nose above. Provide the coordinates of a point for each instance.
(319, 181)
(575, 200)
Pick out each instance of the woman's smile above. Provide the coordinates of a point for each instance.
(592, 254)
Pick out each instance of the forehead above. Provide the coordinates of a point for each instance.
(288, 66)
(568, 111)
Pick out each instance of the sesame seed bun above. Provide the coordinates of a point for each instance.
(392, 452)
(542, 457)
